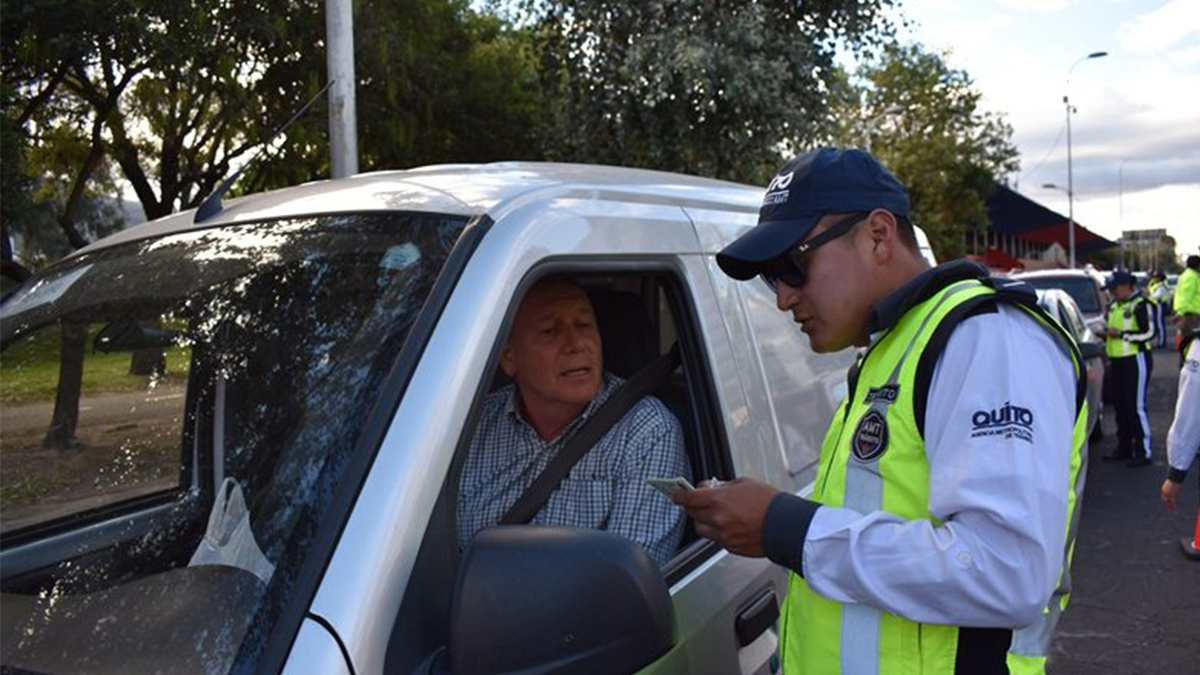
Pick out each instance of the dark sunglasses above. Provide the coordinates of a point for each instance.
(789, 269)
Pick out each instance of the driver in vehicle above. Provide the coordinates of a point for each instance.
(553, 355)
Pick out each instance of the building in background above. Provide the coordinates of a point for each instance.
(1023, 234)
(1148, 250)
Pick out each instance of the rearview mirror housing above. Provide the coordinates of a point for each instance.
(532, 599)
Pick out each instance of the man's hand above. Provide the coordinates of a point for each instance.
(730, 514)
(1114, 333)
(1169, 493)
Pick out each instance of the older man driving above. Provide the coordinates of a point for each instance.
(553, 355)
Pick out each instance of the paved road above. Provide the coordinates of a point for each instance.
(1136, 607)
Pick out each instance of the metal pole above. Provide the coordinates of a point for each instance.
(1070, 191)
(343, 114)
(1070, 176)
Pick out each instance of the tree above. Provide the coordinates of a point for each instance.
(922, 119)
(437, 82)
(709, 87)
(175, 95)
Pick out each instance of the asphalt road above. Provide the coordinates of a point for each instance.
(1136, 605)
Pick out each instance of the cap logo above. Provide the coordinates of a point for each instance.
(781, 181)
(777, 191)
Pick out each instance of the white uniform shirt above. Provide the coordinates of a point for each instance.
(998, 554)
(1183, 440)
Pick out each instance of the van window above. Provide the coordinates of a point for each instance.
(640, 318)
(805, 387)
(177, 412)
(634, 324)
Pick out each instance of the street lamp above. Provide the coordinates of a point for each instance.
(1071, 225)
(1121, 205)
(1070, 175)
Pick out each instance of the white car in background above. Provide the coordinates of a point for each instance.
(1060, 305)
(1084, 287)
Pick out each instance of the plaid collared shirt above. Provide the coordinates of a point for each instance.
(605, 490)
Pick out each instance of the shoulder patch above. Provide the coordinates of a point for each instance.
(870, 439)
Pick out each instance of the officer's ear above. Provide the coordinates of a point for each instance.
(883, 234)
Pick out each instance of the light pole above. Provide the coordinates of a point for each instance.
(1071, 224)
(1121, 205)
(1070, 174)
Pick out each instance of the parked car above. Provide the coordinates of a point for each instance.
(276, 491)
(1085, 288)
(1060, 305)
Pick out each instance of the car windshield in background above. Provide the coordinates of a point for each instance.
(1082, 290)
(176, 413)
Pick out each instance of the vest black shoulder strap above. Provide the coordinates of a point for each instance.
(1009, 292)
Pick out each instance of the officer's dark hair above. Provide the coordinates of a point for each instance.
(1193, 261)
(904, 228)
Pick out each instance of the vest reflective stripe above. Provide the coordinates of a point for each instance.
(1031, 645)
(1123, 317)
(895, 480)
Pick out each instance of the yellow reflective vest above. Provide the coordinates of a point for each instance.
(824, 637)
(1134, 336)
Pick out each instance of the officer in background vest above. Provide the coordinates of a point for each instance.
(1187, 300)
(1183, 440)
(1130, 336)
(937, 537)
(1158, 294)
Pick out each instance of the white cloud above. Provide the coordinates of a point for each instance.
(1185, 57)
(1162, 28)
(1043, 6)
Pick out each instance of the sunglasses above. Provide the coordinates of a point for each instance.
(788, 267)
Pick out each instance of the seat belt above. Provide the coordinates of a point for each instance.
(633, 390)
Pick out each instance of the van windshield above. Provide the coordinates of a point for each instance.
(176, 414)
(1082, 290)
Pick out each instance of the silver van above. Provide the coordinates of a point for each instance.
(234, 445)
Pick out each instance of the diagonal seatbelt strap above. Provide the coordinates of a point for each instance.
(633, 390)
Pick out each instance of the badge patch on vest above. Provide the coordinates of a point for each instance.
(870, 437)
(888, 393)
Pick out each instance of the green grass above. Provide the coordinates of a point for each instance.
(29, 368)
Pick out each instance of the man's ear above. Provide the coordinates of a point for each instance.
(507, 362)
(884, 237)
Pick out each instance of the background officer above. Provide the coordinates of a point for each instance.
(1130, 336)
(1187, 299)
(1183, 440)
(942, 510)
(1158, 294)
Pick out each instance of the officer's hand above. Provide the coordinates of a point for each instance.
(730, 514)
(1170, 494)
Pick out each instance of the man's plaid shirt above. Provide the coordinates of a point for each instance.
(605, 490)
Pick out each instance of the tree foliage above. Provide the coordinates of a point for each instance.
(168, 98)
(710, 87)
(923, 120)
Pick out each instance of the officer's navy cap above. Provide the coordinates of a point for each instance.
(1120, 277)
(815, 184)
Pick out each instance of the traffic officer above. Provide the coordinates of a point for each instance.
(1183, 440)
(936, 538)
(1130, 336)
(1187, 299)
(1157, 293)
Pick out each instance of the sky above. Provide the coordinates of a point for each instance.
(1135, 138)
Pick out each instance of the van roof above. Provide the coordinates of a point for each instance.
(458, 189)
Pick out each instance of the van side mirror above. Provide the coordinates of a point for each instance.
(532, 599)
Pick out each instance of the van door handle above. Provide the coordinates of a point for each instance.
(757, 618)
